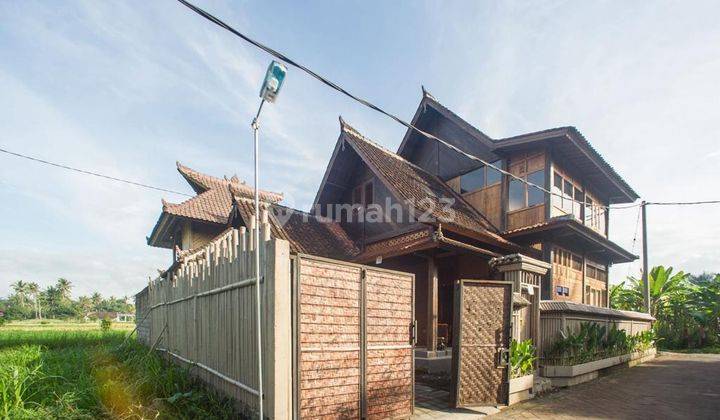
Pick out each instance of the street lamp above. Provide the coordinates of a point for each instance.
(269, 91)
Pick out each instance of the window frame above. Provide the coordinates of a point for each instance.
(486, 170)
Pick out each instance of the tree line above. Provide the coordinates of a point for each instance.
(686, 307)
(28, 301)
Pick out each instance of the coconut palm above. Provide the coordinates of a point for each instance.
(96, 299)
(21, 290)
(63, 287)
(33, 289)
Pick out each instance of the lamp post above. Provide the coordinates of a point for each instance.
(274, 78)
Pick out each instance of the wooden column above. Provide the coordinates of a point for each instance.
(432, 306)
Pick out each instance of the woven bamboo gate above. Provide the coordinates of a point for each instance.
(203, 315)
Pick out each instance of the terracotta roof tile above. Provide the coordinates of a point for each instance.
(306, 233)
(428, 192)
(214, 200)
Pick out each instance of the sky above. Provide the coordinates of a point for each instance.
(127, 88)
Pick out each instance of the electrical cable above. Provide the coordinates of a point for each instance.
(369, 104)
(99, 175)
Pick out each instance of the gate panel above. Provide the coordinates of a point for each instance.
(354, 347)
(329, 340)
(389, 370)
(483, 326)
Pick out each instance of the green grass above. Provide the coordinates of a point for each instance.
(87, 375)
(709, 349)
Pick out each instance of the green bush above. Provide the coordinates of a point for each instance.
(105, 324)
(522, 358)
(594, 341)
(2, 321)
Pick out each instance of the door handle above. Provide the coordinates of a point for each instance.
(413, 333)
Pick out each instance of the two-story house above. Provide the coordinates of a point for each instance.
(428, 210)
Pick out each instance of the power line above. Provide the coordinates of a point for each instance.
(370, 105)
(99, 175)
(681, 203)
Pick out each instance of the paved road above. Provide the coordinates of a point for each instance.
(672, 386)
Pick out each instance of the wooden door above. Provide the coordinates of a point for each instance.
(483, 317)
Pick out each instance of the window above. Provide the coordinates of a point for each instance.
(559, 290)
(516, 195)
(481, 177)
(522, 195)
(594, 214)
(493, 175)
(368, 197)
(536, 196)
(473, 180)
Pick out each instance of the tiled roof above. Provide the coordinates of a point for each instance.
(565, 306)
(411, 183)
(571, 222)
(214, 200)
(306, 233)
(574, 135)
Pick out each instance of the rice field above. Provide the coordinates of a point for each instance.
(85, 373)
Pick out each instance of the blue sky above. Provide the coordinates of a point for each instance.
(129, 87)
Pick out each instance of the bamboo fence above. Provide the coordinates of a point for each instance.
(203, 315)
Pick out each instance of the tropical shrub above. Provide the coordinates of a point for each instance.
(105, 324)
(686, 308)
(522, 358)
(593, 341)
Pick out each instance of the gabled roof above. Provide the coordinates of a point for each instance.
(410, 183)
(306, 233)
(580, 153)
(428, 100)
(212, 204)
(566, 140)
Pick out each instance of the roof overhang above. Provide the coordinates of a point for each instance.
(161, 235)
(575, 150)
(557, 306)
(570, 233)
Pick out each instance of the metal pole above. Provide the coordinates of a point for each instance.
(645, 281)
(256, 127)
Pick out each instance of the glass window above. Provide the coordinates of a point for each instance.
(516, 194)
(566, 291)
(558, 182)
(369, 198)
(493, 175)
(472, 180)
(536, 196)
(577, 204)
(559, 290)
(588, 210)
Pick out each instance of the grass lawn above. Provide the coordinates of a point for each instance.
(83, 373)
(709, 349)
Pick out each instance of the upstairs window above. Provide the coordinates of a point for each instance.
(482, 177)
(521, 195)
(568, 197)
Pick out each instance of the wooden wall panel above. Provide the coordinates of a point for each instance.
(488, 201)
(526, 217)
(389, 364)
(329, 335)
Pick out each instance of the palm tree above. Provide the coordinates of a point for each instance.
(21, 290)
(85, 304)
(34, 289)
(96, 299)
(63, 287)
